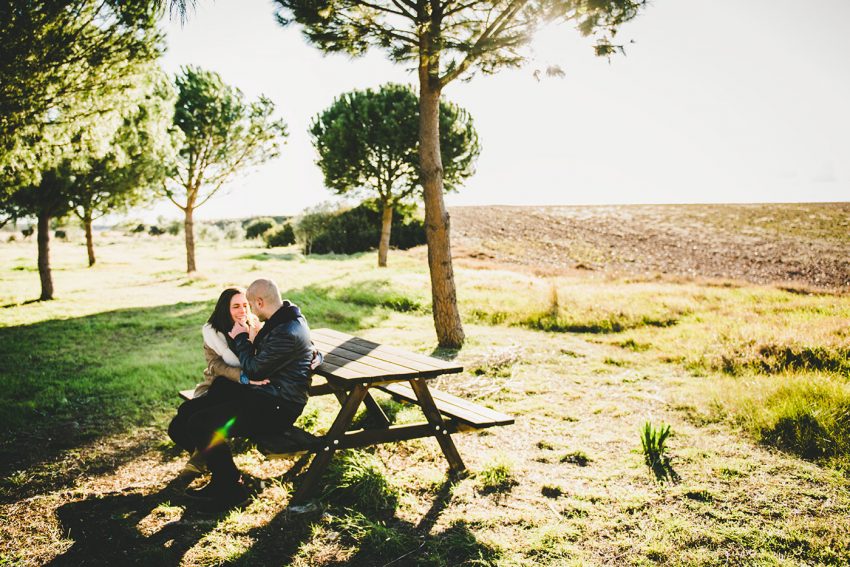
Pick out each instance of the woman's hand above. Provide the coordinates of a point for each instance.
(258, 382)
(238, 329)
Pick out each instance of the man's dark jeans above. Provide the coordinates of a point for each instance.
(202, 423)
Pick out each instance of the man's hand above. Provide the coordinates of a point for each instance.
(253, 330)
(258, 382)
(238, 329)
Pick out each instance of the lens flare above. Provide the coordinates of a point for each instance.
(220, 434)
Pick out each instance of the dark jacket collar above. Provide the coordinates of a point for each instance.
(287, 312)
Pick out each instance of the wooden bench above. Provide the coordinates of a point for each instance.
(351, 367)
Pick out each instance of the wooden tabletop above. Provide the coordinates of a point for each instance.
(356, 360)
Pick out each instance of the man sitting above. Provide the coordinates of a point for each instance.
(279, 362)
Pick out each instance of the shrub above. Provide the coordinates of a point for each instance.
(210, 233)
(155, 230)
(653, 440)
(232, 231)
(61, 234)
(281, 236)
(139, 228)
(259, 227)
(355, 230)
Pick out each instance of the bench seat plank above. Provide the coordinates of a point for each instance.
(452, 406)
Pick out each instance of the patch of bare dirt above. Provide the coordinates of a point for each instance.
(796, 245)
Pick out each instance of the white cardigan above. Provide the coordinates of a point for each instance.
(216, 341)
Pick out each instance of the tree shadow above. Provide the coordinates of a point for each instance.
(445, 353)
(265, 256)
(21, 303)
(379, 537)
(108, 530)
(68, 384)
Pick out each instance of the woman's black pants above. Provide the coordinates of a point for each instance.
(228, 410)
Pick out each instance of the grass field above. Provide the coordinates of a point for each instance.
(753, 381)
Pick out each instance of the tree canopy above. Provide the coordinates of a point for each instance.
(445, 40)
(222, 135)
(368, 140)
(64, 63)
(138, 158)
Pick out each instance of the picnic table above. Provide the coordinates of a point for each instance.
(352, 367)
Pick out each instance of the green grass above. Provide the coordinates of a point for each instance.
(356, 479)
(91, 379)
(497, 476)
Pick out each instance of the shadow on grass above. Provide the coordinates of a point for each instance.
(664, 472)
(368, 536)
(109, 530)
(67, 384)
(265, 256)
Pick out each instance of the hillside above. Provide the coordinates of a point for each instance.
(791, 244)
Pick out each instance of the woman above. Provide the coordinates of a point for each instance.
(232, 306)
(222, 364)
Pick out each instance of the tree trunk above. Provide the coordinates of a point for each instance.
(44, 256)
(189, 229)
(444, 296)
(384, 243)
(89, 240)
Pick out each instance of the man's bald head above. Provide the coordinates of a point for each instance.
(264, 297)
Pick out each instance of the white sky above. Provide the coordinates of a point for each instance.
(716, 101)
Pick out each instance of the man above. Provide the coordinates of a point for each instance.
(273, 390)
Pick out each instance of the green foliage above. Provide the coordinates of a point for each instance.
(356, 479)
(259, 227)
(579, 458)
(280, 236)
(139, 154)
(460, 37)
(653, 440)
(64, 65)
(654, 443)
(376, 536)
(368, 145)
(222, 135)
(368, 141)
(496, 477)
(355, 230)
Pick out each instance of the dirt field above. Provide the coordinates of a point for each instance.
(796, 244)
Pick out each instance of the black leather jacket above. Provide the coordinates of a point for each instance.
(281, 352)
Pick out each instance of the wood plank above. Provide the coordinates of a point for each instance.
(422, 361)
(360, 350)
(365, 366)
(329, 348)
(453, 406)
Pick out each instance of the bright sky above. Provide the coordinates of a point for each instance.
(716, 101)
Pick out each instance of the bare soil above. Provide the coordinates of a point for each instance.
(787, 244)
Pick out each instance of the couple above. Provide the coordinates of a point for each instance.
(256, 382)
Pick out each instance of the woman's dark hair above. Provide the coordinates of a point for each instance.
(220, 319)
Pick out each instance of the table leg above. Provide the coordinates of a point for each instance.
(343, 419)
(377, 418)
(429, 408)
